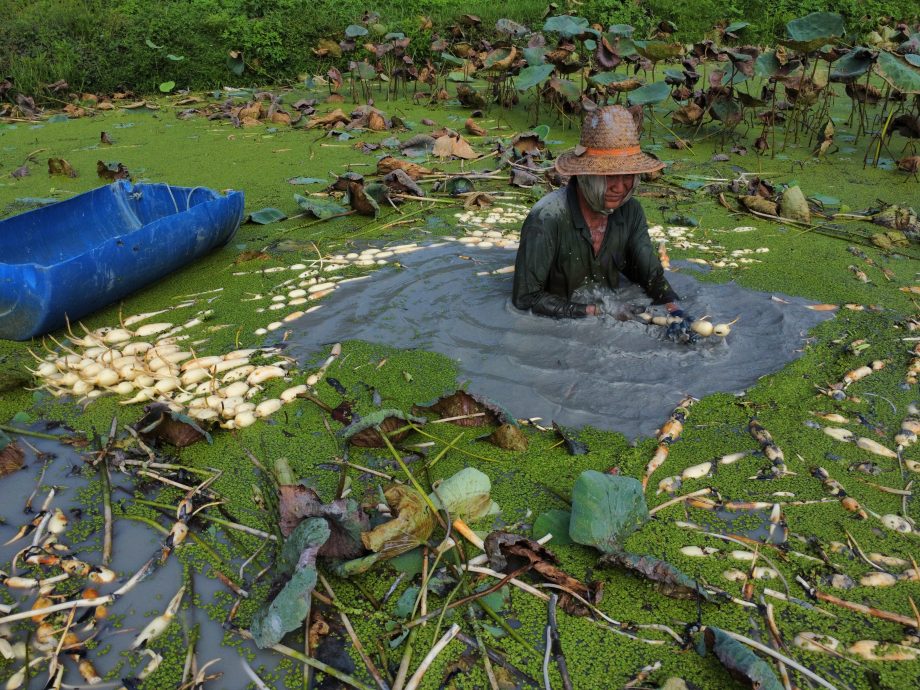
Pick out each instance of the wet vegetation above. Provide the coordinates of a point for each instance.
(374, 527)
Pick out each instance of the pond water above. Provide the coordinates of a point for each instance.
(133, 545)
(623, 376)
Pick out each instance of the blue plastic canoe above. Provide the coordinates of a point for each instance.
(74, 257)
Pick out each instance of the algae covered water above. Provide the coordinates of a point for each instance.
(623, 376)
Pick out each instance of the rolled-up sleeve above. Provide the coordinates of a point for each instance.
(532, 266)
(643, 266)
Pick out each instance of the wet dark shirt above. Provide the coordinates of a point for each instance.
(556, 256)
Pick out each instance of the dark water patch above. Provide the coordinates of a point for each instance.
(133, 544)
(602, 372)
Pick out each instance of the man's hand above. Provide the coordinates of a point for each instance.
(594, 310)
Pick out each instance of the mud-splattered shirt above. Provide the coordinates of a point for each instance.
(556, 256)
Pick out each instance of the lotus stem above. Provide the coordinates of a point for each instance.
(431, 656)
(680, 499)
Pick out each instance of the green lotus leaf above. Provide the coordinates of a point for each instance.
(606, 509)
(898, 72)
(650, 93)
(532, 76)
(267, 215)
(566, 25)
(321, 208)
(814, 30)
(555, 522)
(465, 495)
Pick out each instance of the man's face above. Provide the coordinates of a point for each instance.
(618, 187)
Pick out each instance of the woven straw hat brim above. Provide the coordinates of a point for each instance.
(593, 164)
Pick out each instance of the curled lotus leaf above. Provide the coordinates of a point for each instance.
(508, 552)
(388, 164)
(500, 59)
(463, 404)
(669, 580)
(320, 208)
(853, 64)
(459, 185)
(364, 434)
(572, 445)
(739, 661)
(162, 424)
(614, 81)
(288, 610)
(346, 520)
(465, 494)
(509, 437)
(413, 524)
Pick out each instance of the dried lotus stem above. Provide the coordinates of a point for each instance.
(773, 452)
(668, 434)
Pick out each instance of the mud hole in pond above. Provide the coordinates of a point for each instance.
(623, 376)
(133, 544)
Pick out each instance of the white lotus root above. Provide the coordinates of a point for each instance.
(815, 642)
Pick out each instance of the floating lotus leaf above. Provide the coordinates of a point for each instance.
(268, 215)
(741, 662)
(320, 208)
(669, 580)
(413, 524)
(814, 30)
(532, 76)
(509, 436)
(555, 522)
(566, 25)
(895, 70)
(852, 65)
(606, 509)
(465, 495)
(291, 606)
(650, 94)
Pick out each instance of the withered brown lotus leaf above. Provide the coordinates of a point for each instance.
(388, 164)
(758, 203)
(59, 166)
(11, 459)
(509, 437)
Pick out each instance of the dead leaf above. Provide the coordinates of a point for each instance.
(474, 128)
(58, 166)
(401, 182)
(669, 580)
(453, 145)
(689, 114)
(279, 117)
(74, 111)
(104, 138)
(476, 200)
(794, 206)
(329, 120)
(523, 178)
(11, 459)
(20, 172)
(251, 255)
(112, 171)
(823, 307)
(463, 404)
(752, 202)
(509, 437)
(346, 520)
(527, 143)
(388, 164)
(159, 423)
(376, 122)
(909, 164)
(503, 549)
(413, 524)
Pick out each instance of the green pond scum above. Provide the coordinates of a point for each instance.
(156, 146)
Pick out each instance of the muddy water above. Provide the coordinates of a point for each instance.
(599, 371)
(133, 544)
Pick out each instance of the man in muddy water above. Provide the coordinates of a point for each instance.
(592, 230)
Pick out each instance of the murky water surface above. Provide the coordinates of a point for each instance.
(615, 375)
(133, 545)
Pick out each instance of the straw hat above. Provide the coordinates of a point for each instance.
(609, 146)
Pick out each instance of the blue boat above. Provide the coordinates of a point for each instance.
(74, 257)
